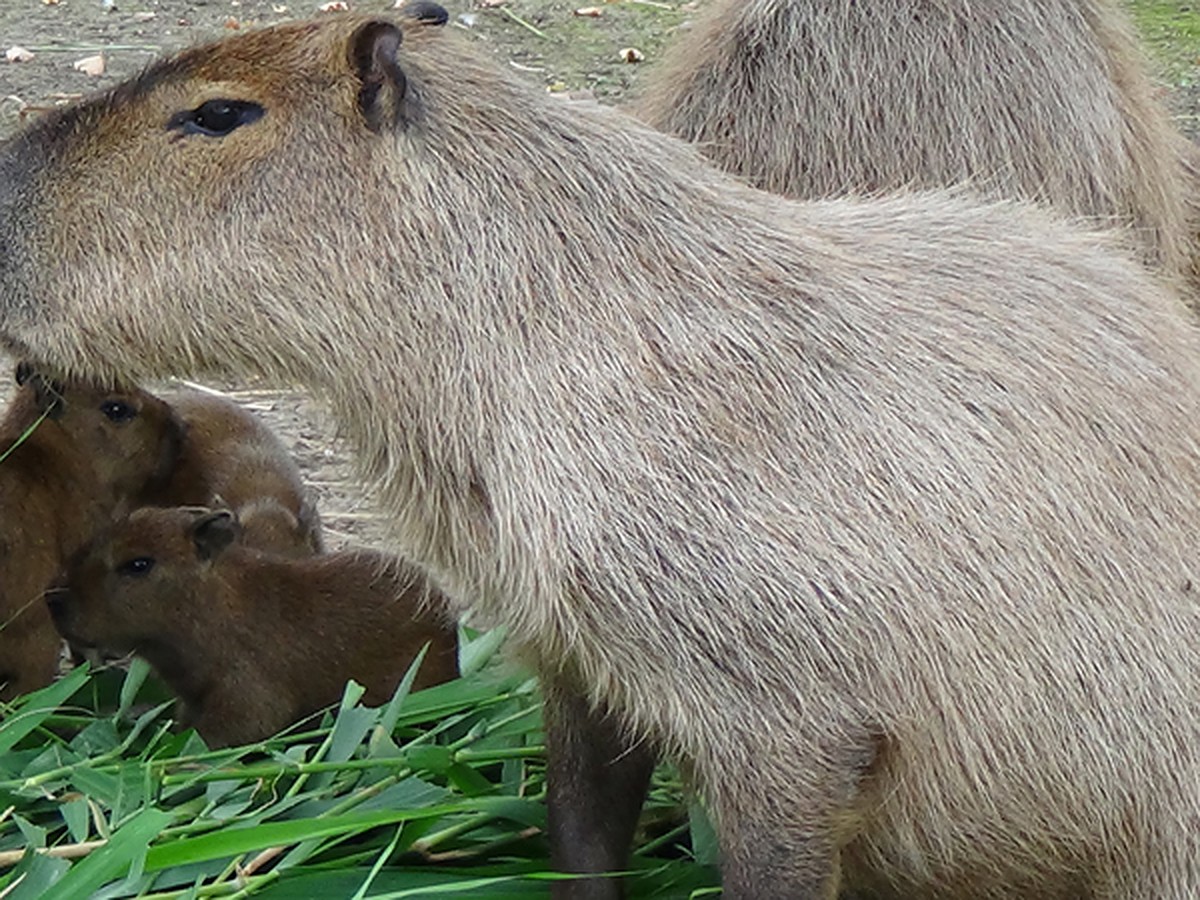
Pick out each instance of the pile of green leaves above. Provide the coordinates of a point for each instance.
(439, 793)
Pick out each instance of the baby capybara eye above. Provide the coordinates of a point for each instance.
(118, 410)
(139, 565)
(216, 118)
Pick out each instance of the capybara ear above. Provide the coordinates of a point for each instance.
(425, 12)
(372, 52)
(213, 532)
(49, 393)
(24, 370)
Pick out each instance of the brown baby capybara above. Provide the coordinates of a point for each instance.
(93, 448)
(230, 459)
(1047, 100)
(879, 515)
(251, 642)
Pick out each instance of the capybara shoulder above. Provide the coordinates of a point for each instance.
(250, 641)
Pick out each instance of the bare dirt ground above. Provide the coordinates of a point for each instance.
(546, 40)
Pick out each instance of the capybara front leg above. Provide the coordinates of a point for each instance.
(596, 783)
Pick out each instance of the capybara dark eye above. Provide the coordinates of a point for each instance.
(425, 12)
(216, 118)
(118, 410)
(139, 565)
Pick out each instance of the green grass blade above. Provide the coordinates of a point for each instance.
(120, 855)
(34, 709)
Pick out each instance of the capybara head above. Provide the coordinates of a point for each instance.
(223, 137)
(129, 437)
(142, 576)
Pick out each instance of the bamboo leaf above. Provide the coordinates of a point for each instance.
(120, 855)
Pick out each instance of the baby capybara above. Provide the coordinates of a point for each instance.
(92, 449)
(230, 459)
(250, 641)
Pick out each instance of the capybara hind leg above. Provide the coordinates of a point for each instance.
(596, 783)
(781, 830)
(765, 863)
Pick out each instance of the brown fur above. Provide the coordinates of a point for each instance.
(250, 641)
(96, 447)
(1047, 100)
(230, 459)
(880, 516)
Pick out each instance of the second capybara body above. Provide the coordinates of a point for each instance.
(229, 458)
(879, 515)
(94, 447)
(250, 641)
(1048, 100)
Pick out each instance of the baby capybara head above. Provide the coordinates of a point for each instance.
(130, 437)
(140, 575)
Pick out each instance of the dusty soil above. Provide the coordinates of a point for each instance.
(544, 39)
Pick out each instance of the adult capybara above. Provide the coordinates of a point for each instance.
(93, 447)
(1039, 99)
(880, 515)
(250, 641)
(229, 458)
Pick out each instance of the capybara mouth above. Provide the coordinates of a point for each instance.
(70, 636)
(60, 611)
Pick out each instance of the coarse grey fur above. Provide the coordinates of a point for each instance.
(1049, 100)
(879, 515)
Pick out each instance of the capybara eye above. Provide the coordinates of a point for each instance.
(425, 12)
(139, 565)
(216, 118)
(118, 410)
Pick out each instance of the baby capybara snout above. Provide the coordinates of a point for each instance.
(250, 641)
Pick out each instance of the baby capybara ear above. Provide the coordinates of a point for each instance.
(425, 12)
(48, 393)
(213, 532)
(372, 52)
